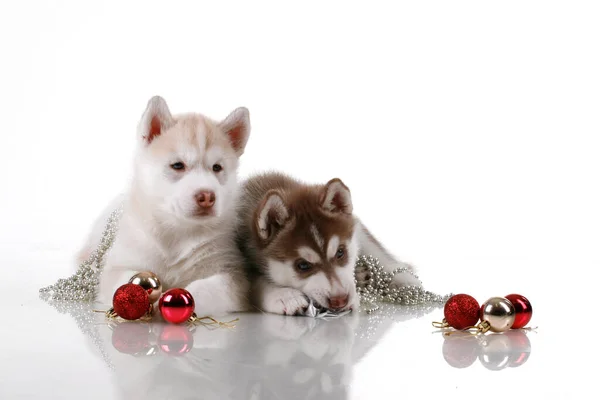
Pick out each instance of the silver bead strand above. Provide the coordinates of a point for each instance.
(82, 285)
(378, 287)
(73, 295)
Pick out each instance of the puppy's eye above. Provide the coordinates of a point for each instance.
(303, 265)
(340, 253)
(178, 166)
(217, 168)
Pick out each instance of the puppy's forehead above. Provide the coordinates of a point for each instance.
(321, 230)
(309, 254)
(318, 239)
(192, 134)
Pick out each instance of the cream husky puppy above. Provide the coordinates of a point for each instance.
(179, 215)
(302, 242)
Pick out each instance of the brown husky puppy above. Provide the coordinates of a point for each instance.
(301, 242)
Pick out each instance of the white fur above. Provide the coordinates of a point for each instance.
(282, 272)
(159, 230)
(317, 236)
(212, 295)
(332, 246)
(309, 255)
(318, 287)
(176, 197)
(280, 299)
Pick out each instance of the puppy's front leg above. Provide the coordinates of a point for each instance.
(219, 294)
(278, 299)
(369, 245)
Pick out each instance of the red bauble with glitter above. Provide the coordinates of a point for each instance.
(461, 311)
(523, 310)
(176, 305)
(131, 301)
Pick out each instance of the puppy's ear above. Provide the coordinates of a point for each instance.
(271, 216)
(237, 128)
(335, 197)
(155, 120)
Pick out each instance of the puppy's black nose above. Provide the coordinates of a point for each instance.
(205, 199)
(337, 302)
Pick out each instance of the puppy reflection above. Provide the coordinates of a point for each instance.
(271, 357)
(265, 356)
(495, 352)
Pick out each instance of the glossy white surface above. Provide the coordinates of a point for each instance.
(50, 352)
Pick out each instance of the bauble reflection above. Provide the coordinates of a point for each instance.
(495, 351)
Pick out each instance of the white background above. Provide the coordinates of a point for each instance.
(467, 131)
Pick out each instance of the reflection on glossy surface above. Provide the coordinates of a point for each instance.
(494, 351)
(265, 356)
(141, 339)
(175, 340)
(132, 338)
(276, 357)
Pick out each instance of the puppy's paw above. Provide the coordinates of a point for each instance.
(285, 301)
(202, 292)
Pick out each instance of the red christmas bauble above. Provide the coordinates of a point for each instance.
(175, 340)
(461, 311)
(131, 301)
(176, 305)
(523, 310)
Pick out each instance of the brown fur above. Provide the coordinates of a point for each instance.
(282, 220)
(304, 203)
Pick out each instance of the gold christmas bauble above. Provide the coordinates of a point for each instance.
(499, 313)
(150, 282)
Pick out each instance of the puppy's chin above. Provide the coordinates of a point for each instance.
(202, 217)
(204, 214)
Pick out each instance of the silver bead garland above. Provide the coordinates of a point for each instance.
(83, 284)
(378, 287)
